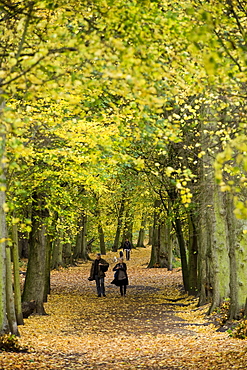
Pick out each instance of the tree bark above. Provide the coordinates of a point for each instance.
(84, 250)
(128, 227)
(68, 260)
(17, 286)
(47, 289)
(155, 237)
(163, 244)
(78, 245)
(101, 238)
(119, 225)
(141, 235)
(57, 253)
(192, 255)
(4, 324)
(34, 287)
(150, 235)
(10, 306)
(238, 263)
(182, 249)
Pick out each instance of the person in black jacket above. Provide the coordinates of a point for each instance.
(97, 273)
(127, 248)
(121, 276)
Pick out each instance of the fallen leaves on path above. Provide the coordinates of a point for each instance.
(155, 326)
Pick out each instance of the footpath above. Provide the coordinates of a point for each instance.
(156, 326)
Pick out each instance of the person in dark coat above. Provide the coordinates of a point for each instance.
(121, 276)
(127, 248)
(97, 273)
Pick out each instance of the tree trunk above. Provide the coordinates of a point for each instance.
(77, 250)
(213, 256)
(84, 250)
(204, 283)
(150, 235)
(101, 238)
(100, 227)
(192, 255)
(47, 289)
(141, 236)
(238, 264)
(67, 248)
(23, 244)
(168, 244)
(10, 306)
(4, 324)
(17, 285)
(57, 253)
(163, 242)
(154, 259)
(128, 228)
(119, 225)
(34, 287)
(182, 249)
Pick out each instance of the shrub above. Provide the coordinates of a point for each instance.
(9, 343)
(240, 331)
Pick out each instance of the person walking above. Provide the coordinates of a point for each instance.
(97, 273)
(127, 248)
(121, 276)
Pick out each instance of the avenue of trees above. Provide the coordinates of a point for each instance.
(119, 118)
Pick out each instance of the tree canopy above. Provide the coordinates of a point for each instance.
(108, 105)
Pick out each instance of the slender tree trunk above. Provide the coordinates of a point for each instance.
(101, 239)
(192, 255)
(4, 323)
(179, 232)
(55, 249)
(17, 285)
(168, 244)
(77, 250)
(141, 236)
(9, 295)
(154, 259)
(84, 253)
(47, 289)
(150, 235)
(128, 227)
(204, 284)
(99, 225)
(163, 242)
(182, 248)
(119, 225)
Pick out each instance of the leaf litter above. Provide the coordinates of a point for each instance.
(156, 326)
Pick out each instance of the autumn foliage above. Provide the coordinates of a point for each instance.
(156, 326)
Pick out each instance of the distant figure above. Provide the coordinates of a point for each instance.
(97, 273)
(120, 276)
(120, 254)
(127, 248)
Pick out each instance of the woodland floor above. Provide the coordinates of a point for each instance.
(155, 326)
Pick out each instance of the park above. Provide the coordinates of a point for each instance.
(123, 120)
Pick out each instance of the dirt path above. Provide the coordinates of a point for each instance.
(154, 327)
